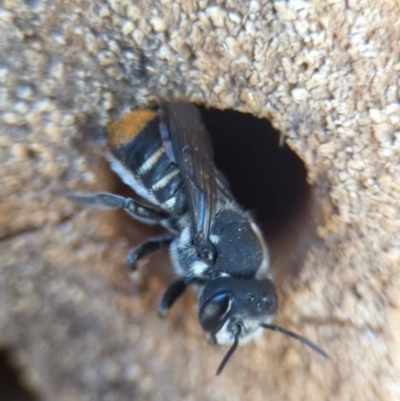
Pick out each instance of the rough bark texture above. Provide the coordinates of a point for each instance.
(325, 73)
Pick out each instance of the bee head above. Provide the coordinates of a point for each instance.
(233, 310)
(229, 302)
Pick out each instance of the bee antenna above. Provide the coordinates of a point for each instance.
(232, 349)
(302, 339)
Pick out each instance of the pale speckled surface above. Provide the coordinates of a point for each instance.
(327, 74)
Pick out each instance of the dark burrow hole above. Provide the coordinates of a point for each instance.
(267, 178)
(12, 386)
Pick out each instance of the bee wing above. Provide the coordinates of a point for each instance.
(187, 138)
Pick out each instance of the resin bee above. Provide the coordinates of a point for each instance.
(166, 156)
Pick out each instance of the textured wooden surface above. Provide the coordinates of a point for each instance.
(326, 74)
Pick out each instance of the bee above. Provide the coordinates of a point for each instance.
(166, 156)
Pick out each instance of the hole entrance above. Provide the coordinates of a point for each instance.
(268, 178)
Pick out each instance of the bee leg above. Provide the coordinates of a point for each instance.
(138, 211)
(143, 250)
(172, 293)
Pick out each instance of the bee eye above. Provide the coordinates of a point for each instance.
(214, 312)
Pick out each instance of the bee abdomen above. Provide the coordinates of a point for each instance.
(143, 164)
(164, 181)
